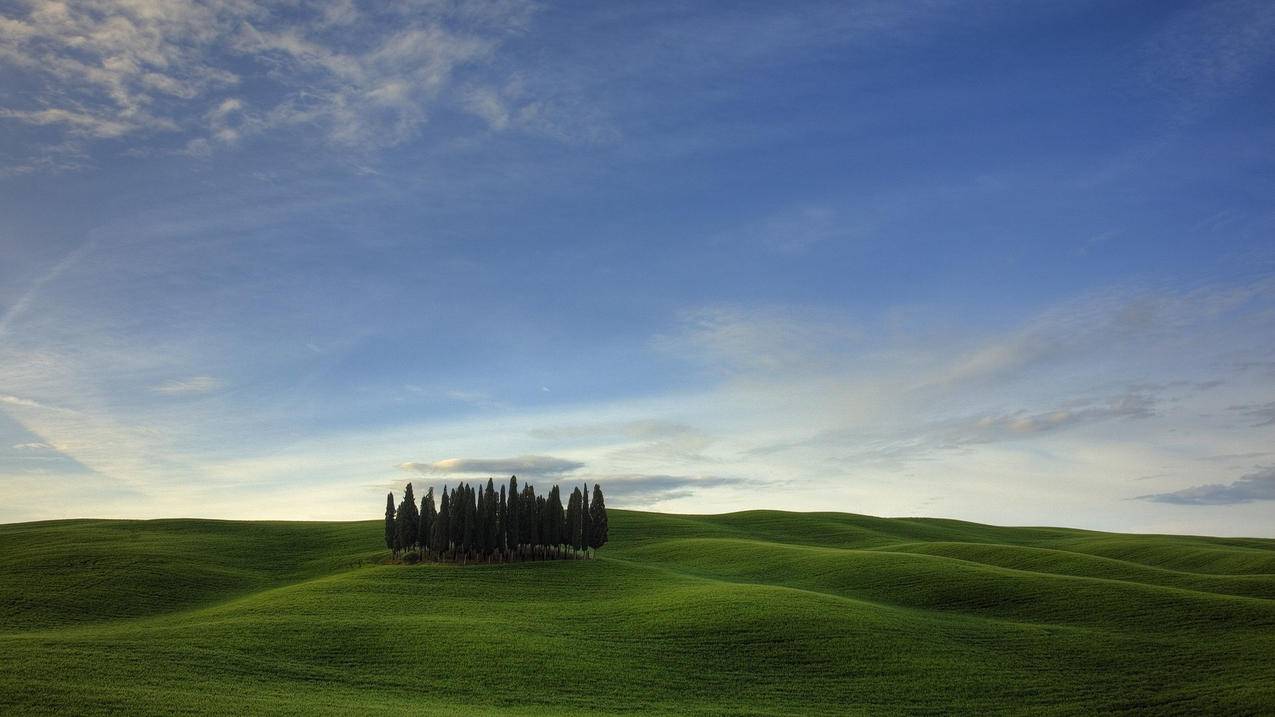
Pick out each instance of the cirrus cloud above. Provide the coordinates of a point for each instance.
(102, 70)
(1259, 485)
(188, 386)
(519, 465)
(640, 490)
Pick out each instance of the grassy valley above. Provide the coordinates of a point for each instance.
(748, 613)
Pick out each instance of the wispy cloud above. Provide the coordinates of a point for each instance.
(999, 427)
(469, 397)
(33, 289)
(908, 443)
(797, 229)
(188, 386)
(111, 69)
(374, 97)
(1225, 457)
(1207, 53)
(644, 429)
(1259, 485)
(1263, 413)
(518, 465)
(30, 403)
(1109, 321)
(212, 74)
(19, 401)
(77, 122)
(757, 341)
(641, 490)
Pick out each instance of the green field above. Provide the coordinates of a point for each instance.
(747, 613)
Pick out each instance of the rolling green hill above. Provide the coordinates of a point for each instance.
(748, 613)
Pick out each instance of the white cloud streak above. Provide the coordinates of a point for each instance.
(193, 385)
(518, 465)
(1256, 486)
(641, 490)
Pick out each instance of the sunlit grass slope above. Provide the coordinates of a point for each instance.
(747, 613)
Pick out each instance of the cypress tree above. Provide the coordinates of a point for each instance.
(502, 521)
(564, 521)
(389, 521)
(578, 526)
(527, 519)
(471, 520)
(597, 520)
(481, 524)
(513, 537)
(569, 519)
(586, 520)
(406, 522)
(426, 532)
(467, 521)
(560, 518)
(471, 516)
(490, 522)
(456, 526)
(546, 520)
(442, 526)
(574, 519)
(458, 507)
(400, 527)
(414, 514)
(458, 517)
(538, 537)
(553, 519)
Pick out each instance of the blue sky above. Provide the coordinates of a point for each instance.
(1006, 262)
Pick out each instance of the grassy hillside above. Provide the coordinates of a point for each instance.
(749, 613)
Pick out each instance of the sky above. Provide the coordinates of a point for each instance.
(997, 261)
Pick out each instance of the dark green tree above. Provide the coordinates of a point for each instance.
(458, 518)
(550, 526)
(428, 514)
(564, 522)
(546, 520)
(541, 502)
(560, 517)
(573, 519)
(502, 521)
(406, 521)
(528, 518)
(481, 524)
(389, 522)
(586, 520)
(469, 536)
(456, 526)
(597, 519)
(512, 535)
(467, 524)
(442, 526)
(493, 524)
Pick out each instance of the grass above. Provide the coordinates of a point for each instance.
(749, 613)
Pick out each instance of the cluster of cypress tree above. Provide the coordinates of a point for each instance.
(477, 524)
